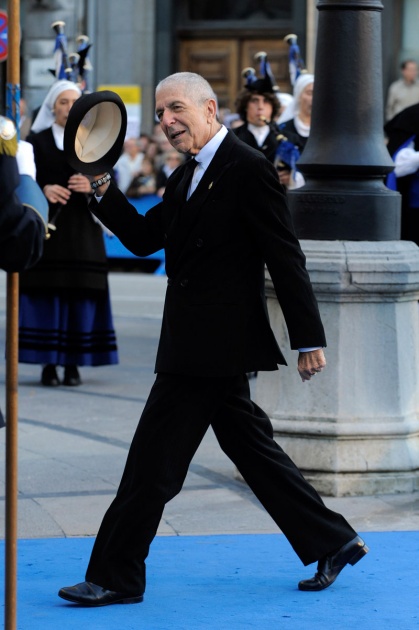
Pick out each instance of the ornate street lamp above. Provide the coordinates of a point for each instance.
(345, 160)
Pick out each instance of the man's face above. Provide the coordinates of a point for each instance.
(62, 106)
(259, 110)
(410, 72)
(131, 147)
(187, 126)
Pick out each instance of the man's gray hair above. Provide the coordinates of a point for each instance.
(194, 85)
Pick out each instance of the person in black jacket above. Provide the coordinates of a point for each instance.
(258, 106)
(172, 159)
(223, 215)
(403, 145)
(294, 125)
(22, 225)
(23, 215)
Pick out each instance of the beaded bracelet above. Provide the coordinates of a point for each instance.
(99, 182)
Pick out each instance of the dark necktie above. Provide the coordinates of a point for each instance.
(187, 177)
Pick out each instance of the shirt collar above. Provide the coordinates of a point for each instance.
(208, 151)
(260, 133)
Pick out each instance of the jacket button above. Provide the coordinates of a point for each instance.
(184, 282)
(169, 282)
(199, 242)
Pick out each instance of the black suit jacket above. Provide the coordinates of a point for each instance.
(269, 146)
(215, 320)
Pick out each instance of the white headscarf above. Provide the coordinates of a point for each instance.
(284, 98)
(46, 117)
(293, 108)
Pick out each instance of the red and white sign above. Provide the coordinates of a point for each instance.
(3, 35)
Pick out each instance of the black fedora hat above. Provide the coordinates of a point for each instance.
(95, 132)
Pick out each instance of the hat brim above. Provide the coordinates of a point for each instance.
(95, 132)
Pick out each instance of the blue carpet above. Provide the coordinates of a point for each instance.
(226, 582)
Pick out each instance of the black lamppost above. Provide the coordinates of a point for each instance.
(345, 160)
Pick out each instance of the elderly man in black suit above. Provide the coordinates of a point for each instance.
(223, 216)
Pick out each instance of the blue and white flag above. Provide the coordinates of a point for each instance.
(85, 67)
(265, 71)
(62, 68)
(296, 64)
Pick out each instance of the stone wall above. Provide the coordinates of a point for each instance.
(123, 50)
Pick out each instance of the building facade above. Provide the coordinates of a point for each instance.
(138, 42)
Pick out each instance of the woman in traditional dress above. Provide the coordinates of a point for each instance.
(294, 124)
(65, 312)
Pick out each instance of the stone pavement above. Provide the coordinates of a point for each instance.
(73, 444)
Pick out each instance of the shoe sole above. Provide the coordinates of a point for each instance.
(358, 555)
(126, 600)
(355, 557)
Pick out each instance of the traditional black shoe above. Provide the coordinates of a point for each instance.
(49, 376)
(89, 594)
(330, 566)
(71, 376)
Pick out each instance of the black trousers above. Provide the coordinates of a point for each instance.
(177, 414)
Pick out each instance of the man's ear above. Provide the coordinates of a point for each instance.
(211, 109)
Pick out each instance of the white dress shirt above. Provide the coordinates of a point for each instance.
(204, 158)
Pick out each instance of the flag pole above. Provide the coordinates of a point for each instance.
(13, 88)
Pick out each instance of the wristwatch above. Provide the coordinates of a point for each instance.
(99, 182)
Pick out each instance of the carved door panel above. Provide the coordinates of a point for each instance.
(217, 61)
(221, 62)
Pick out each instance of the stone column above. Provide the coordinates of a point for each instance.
(354, 429)
(345, 159)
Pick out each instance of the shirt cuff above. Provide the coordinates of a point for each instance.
(310, 349)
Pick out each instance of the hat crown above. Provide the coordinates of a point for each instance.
(266, 82)
(95, 132)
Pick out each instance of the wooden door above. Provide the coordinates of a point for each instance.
(216, 60)
(221, 62)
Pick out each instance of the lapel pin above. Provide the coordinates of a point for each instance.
(210, 186)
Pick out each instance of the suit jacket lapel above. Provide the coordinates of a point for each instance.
(212, 177)
(189, 214)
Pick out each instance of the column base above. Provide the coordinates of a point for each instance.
(354, 428)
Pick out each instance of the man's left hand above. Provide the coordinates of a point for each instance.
(310, 364)
(79, 183)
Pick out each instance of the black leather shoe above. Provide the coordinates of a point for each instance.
(71, 376)
(49, 376)
(330, 566)
(89, 594)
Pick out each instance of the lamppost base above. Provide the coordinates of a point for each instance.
(354, 429)
(367, 211)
